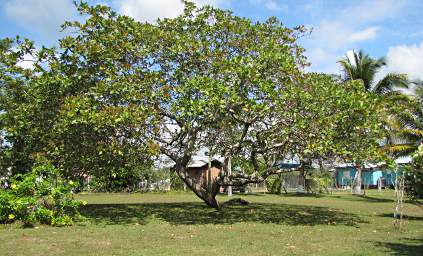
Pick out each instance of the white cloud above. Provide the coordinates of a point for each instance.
(319, 57)
(364, 35)
(406, 59)
(40, 16)
(145, 10)
(271, 5)
(350, 55)
(343, 28)
(372, 10)
(148, 10)
(27, 62)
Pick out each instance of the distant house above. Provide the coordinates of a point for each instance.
(373, 175)
(199, 170)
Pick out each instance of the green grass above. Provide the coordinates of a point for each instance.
(180, 224)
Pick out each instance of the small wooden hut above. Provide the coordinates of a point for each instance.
(200, 171)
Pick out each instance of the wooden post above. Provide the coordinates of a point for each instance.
(229, 173)
(209, 174)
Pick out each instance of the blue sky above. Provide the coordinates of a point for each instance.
(391, 28)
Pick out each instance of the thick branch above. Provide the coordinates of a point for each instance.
(240, 179)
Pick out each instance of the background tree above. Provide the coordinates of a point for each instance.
(80, 113)
(364, 68)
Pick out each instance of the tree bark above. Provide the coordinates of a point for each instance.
(229, 168)
(356, 189)
(208, 191)
(205, 191)
(399, 195)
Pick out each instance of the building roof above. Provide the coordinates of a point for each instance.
(404, 160)
(196, 163)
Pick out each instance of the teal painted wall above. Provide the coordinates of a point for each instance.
(344, 176)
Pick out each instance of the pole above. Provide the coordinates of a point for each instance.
(229, 174)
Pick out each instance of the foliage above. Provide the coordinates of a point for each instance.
(82, 116)
(414, 184)
(407, 125)
(175, 182)
(39, 196)
(362, 67)
(274, 185)
(321, 179)
(414, 176)
(116, 93)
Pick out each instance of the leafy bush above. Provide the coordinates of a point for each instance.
(175, 182)
(414, 184)
(414, 176)
(274, 185)
(40, 195)
(320, 181)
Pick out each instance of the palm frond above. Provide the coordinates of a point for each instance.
(400, 149)
(361, 67)
(391, 82)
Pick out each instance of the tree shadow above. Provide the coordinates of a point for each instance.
(405, 216)
(409, 247)
(363, 198)
(296, 194)
(197, 213)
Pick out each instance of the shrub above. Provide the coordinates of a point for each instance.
(274, 185)
(320, 181)
(414, 176)
(414, 185)
(40, 195)
(44, 216)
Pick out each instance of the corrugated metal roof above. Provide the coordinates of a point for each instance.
(404, 160)
(197, 163)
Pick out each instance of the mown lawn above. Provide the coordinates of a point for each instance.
(179, 224)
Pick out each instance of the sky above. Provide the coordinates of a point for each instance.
(390, 28)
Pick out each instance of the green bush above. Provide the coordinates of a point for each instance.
(320, 181)
(274, 185)
(62, 221)
(40, 195)
(414, 176)
(44, 216)
(175, 182)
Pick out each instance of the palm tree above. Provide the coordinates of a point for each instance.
(407, 125)
(363, 67)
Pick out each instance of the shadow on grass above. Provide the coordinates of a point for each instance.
(409, 247)
(407, 217)
(363, 198)
(197, 213)
(295, 194)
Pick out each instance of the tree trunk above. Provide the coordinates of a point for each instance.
(356, 189)
(229, 170)
(399, 195)
(205, 191)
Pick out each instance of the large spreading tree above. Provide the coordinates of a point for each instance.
(117, 93)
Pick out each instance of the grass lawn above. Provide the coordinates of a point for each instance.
(179, 224)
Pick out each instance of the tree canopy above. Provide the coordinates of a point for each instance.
(117, 93)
